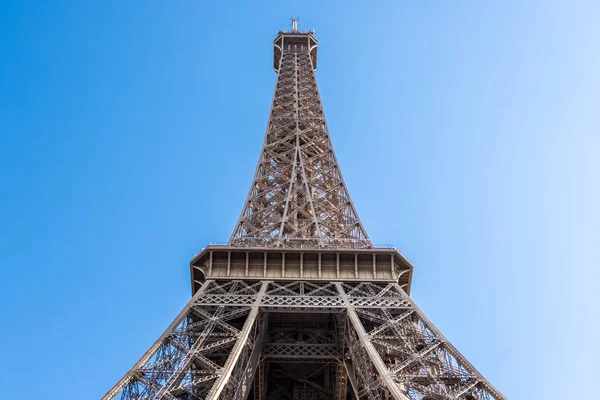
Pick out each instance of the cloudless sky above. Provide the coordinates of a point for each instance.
(468, 133)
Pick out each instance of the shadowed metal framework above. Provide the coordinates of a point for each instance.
(299, 304)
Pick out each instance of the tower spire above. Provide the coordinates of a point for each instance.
(298, 197)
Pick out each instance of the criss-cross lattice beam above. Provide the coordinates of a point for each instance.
(397, 352)
(209, 351)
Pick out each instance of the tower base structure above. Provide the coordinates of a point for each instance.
(301, 338)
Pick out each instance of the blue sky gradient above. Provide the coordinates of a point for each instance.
(467, 132)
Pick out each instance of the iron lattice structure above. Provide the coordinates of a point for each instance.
(298, 195)
(299, 304)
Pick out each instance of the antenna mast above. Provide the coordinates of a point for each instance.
(295, 24)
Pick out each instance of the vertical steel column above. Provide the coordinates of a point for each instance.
(229, 263)
(340, 370)
(260, 382)
(350, 373)
(265, 264)
(247, 260)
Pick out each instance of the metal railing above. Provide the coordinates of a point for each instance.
(301, 243)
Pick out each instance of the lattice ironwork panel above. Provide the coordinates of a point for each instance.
(399, 347)
(205, 353)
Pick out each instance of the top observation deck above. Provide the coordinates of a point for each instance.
(297, 42)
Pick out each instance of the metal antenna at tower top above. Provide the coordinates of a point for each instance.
(295, 23)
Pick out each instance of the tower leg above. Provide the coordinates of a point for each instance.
(260, 381)
(236, 377)
(153, 352)
(396, 352)
(360, 346)
(210, 350)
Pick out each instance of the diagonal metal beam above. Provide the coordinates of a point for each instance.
(148, 354)
(386, 376)
(241, 342)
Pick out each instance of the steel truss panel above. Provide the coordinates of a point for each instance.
(207, 352)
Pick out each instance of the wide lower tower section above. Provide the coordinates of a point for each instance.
(299, 304)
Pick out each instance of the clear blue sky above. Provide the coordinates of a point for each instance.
(468, 133)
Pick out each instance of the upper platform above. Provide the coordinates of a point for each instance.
(377, 264)
(295, 41)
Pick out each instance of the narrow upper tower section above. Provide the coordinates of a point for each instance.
(298, 197)
(295, 41)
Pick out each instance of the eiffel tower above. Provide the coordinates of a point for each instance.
(299, 304)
